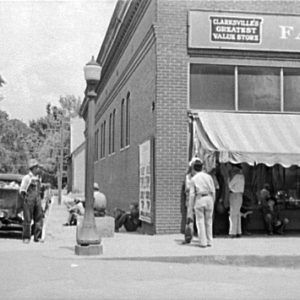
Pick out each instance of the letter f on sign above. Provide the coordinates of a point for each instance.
(286, 31)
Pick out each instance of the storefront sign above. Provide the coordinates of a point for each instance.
(145, 182)
(235, 30)
(208, 29)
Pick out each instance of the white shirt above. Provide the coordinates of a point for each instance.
(99, 200)
(26, 181)
(237, 183)
(202, 183)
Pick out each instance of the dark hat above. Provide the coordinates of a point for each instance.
(198, 165)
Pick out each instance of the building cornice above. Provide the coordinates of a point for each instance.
(113, 29)
(131, 19)
(145, 45)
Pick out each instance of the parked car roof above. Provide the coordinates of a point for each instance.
(11, 177)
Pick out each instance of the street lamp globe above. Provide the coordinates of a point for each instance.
(92, 72)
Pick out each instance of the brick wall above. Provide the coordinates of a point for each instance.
(135, 72)
(160, 76)
(172, 96)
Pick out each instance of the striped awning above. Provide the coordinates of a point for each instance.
(251, 138)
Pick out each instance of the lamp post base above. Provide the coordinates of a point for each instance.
(88, 250)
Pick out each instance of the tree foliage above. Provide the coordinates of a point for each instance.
(46, 138)
(71, 105)
(13, 146)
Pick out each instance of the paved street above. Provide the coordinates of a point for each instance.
(135, 266)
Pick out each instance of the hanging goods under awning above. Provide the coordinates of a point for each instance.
(251, 138)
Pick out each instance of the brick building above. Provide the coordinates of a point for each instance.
(153, 54)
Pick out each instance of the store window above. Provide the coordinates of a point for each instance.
(258, 89)
(212, 87)
(291, 89)
(244, 88)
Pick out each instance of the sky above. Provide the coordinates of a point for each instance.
(43, 48)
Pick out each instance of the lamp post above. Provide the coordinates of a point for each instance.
(88, 241)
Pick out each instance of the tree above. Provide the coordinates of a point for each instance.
(13, 146)
(52, 134)
(43, 139)
(71, 105)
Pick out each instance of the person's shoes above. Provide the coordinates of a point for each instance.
(202, 246)
(209, 245)
(238, 235)
(26, 241)
(66, 224)
(232, 236)
(36, 240)
(116, 230)
(185, 243)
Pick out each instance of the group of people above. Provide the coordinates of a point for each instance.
(128, 219)
(32, 193)
(201, 189)
(76, 206)
(275, 222)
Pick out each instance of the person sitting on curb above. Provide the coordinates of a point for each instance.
(130, 219)
(274, 222)
(74, 211)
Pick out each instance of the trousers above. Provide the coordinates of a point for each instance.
(32, 210)
(235, 204)
(204, 207)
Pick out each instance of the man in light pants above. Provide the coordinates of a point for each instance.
(202, 198)
(236, 189)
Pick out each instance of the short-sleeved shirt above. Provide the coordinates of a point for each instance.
(28, 181)
(237, 184)
(99, 201)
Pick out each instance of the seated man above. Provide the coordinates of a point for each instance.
(264, 194)
(130, 219)
(99, 202)
(74, 211)
(273, 221)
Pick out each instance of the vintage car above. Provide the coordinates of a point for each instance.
(11, 203)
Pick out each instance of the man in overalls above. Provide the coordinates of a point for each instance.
(30, 190)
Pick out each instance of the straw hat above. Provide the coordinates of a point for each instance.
(33, 163)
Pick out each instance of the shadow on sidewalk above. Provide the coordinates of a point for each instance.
(288, 261)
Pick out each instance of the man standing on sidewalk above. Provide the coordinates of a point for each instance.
(30, 190)
(201, 199)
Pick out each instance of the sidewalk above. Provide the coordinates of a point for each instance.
(257, 250)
